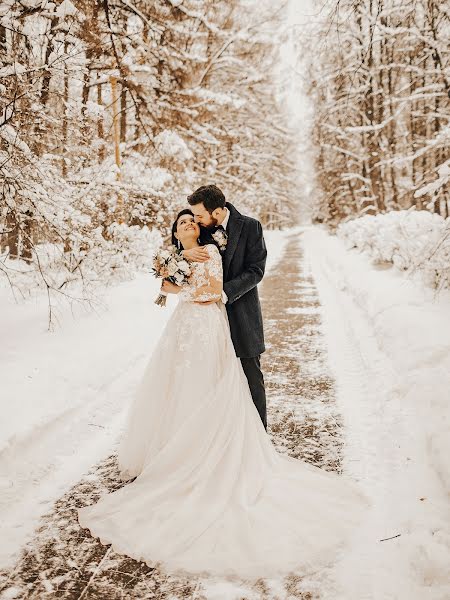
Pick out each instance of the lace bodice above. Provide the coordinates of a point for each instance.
(206, 280)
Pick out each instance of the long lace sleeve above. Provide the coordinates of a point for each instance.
(206, 280)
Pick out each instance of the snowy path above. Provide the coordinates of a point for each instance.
(364, 380)
(61, 559)
(381, 330)
(336, 400)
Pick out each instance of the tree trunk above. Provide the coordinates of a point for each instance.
(100, 129)
(27, 236)
(123, 115)
(65, 125)
(13, 235)
(372, 110)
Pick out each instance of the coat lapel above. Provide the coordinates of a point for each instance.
(234, 228)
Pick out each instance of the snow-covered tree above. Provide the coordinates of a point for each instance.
(380, 83)
(112, 111)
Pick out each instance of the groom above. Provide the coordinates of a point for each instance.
(241, 242)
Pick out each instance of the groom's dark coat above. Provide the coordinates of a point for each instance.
(244, 261)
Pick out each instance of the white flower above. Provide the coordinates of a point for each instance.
(221, 238)
(183, 266)
(172, 268)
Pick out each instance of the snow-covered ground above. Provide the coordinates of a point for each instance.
(389, 348)
(65, 393)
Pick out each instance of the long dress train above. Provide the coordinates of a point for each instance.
(211, 493)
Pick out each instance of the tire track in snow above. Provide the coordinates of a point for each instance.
(376, 431)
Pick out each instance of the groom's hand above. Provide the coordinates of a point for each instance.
(199, 255)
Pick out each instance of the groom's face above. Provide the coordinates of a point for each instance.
(203, 217)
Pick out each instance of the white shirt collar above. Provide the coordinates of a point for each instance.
(225, 221)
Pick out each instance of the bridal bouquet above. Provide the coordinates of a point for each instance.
(170, 264)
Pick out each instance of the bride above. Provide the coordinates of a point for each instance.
(211, 495)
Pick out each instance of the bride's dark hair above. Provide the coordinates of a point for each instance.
(175, 242)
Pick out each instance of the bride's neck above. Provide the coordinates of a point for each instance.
(188, 244)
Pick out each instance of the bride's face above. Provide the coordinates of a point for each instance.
(187, 228)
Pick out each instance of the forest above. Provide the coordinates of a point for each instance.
(328, 121)
(113, 111)
(379, 79)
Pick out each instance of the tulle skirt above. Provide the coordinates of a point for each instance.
(211, 494)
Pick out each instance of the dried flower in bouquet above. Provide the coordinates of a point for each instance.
(172, 266)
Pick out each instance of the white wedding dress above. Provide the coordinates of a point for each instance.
(212, 495)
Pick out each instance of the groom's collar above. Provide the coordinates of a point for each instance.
(234, 213)
(227, 218)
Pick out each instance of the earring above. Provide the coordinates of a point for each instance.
(178, 245)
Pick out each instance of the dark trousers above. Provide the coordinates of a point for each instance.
(255, 378)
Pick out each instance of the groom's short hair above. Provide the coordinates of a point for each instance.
(210, 195)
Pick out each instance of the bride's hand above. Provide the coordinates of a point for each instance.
(199, 254)
(169, 287)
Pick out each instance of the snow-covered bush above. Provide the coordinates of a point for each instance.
(91, 261)
(410, 240)
(126, 250)
(73, 236)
